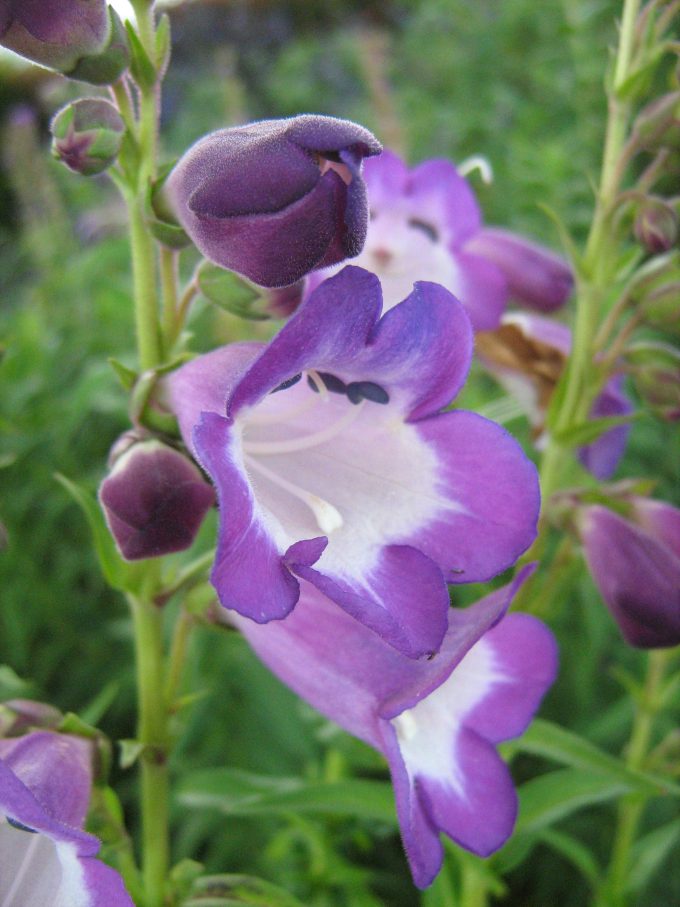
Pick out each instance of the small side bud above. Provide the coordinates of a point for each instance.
(87, 135)
(18, 716)
(154, 501)
(658, 124)
(656, 225)
(655, 369)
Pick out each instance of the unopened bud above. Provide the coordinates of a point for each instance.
(655, 369)
(656, 225)
(17, 716)
(87, 135)
(108, 64)
(656, 291)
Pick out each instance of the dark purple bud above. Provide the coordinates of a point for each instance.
(636, 566)
(54, 33)
(87, 135)
(656, 225)
(536, 277)
(154, 501)
(277, 199)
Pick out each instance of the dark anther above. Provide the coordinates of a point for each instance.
(425, 228)
(288, 383)
(456, 570)
(367, 390)
(332, 384)
(15, 824)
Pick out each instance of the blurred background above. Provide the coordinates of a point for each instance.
(518, 82)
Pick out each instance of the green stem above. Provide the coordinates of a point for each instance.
(153, 735)
(168, 262)
(632, 807)
(144, 282)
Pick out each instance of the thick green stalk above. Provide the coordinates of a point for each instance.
(152, 734)
(144, 282)
(630, 809)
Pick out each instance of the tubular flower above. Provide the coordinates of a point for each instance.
(46, 859)
(527, 354)
(436, 722)
(275, 199)
(55, 33)
(352, 477)
(426, 222)
(635, 563)
(154, 500)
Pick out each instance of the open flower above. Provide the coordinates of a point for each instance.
(635, 563)
(426, 223)
(527, 354)
(275, 199)
(334, 462)
(436, 722)
(46, 860)
(55, 33)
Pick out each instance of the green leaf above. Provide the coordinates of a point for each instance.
(649, 853)
(163, 43)
(127, 376)
(142, 69)
(242, 793)
(573, 851)
(130, 751)
(230, 292)
(118, 573)
(553, 742)
(592, 429)
(237, 890)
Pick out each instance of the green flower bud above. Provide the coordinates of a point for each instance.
(656, 225)
(655, 368)
(87, 135)
(658, 124)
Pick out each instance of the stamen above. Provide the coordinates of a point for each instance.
(326, 515)
(422, 225)
(306, 441)
(367, 390)
(288, 383)
(330, 382)
(315, 381)
(21, 873)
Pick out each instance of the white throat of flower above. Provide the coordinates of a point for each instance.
(30, 870)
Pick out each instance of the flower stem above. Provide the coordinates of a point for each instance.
(630, 809)
(153, 736)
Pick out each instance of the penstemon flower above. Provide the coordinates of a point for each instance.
(426, 223)
(275, 199)
(334, 462)
(527, 354)
(436, 722)
(635, 563)
(46, 860)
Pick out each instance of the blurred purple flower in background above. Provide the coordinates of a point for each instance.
(46, 860)
(54, 33)
(275, 199)
(352, 477)
(635, 563)
(527, 354)
(436, 722)
(426, 224)
(154, 500)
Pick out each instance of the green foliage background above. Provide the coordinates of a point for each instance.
(516, 81)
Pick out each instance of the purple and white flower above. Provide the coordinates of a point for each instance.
(275, 199)
(527, 354)
(426, 223)
(46, 860)
(635, 563)
(437, 722)
(334, 462)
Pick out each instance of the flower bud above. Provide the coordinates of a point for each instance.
(655, 368)
(658, 124)
(635, 563)
(276, 199)
(656, 225)
(656, 291)
(17, 716)
(54, 33)
(87, 135)
(537, 278)
(154, 501)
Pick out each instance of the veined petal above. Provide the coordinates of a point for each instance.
(386, 177)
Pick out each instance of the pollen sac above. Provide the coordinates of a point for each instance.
(289, 383)
(367, 390)
(332, 383)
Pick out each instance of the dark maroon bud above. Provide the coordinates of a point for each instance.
(656, 225)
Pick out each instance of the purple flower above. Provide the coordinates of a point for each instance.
(46, 859)
(426, 223)
(635, 563)
(436, 722)
(275, 199)
(54, 33)
(154, 501)
(334, 462)
(528, 353)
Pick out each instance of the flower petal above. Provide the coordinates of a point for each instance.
(602, 456)
(443, 198)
